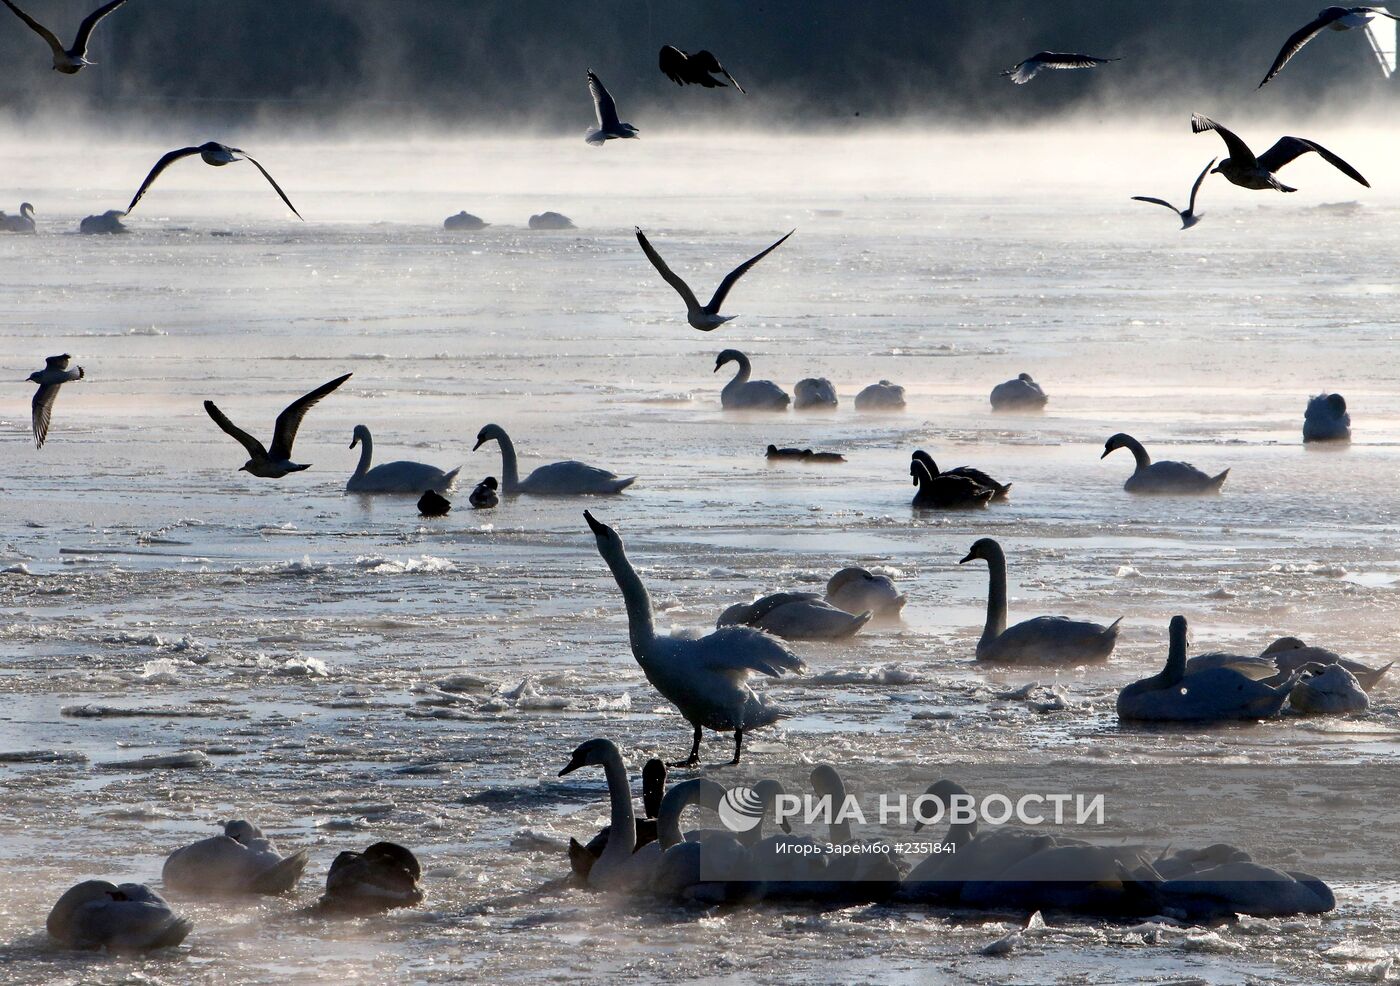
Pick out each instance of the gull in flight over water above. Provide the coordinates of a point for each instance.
(1336, 18)
(54, 375)
(69, 60)
(276, 462)
(609, 126)
(1242, 168)
(694, 70)
(706, 317)
(1189, 216)
(1023, 72)
(214, 154)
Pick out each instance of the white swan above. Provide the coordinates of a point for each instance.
(851, 876)
(1042, 640)
(130, 917)
(882, 396)
(743, 394)
(582, 857)
(241, 861)
(464, 221)
(1332, 690)
(621, 866)
(1291, 654)
(1326, 419)
(1212, 695)
(858, 590)
(814, 393)
(706, 677)
(1162, 477)
(1021, 394)
(107, 222)
(568, 478)
(394, 477)
(22, 223)
(709, 867)
(795, 616)
(381, 878)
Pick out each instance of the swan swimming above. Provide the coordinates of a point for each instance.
(858, 590)
(605, 109)
(621, 865)
(795, 616)
(709, 867)
(1326, 419)
(383, 877)
(53, 376)
(551, 220)
(814, 393)
(882, 396)
(1333, 18)
(394, 477)
(22, 223)
(705, 677)
(567, 478)
(1188, 216)
(850, 877)
(127, 918)
(743, 394)
(805, 455)
(241, 861)
(999, 490)
(69, 61)
(464, 222)
(1213, 695)
(1021, 394)
(274, 462)
(1042, 640)
(946, 491)
(1164, 477)
(704, 317)
(108, 222)
(582, 857)
(1242, 168)
(483, 495)
(211, 153)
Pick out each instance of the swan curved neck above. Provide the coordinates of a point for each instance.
(742, 377)
(622, 836)
(673, 806)
(1140, 455)
(366, 454)
(510, 474)
(996, 596)
(640, 626)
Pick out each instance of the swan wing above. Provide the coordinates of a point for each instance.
(166, 161)
(742, 650)
(275, 187)
(603, 105)
(1291, 148)
(80, 42)
(254, 447)
(285, 431)
(1239, 150)
(733, 276)
(669, 276)
(38, 29)
(1300, 37)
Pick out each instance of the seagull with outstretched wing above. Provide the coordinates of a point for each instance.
(1189, 216)
(694, 70)
(274, 462)
(609, 126)
(1335, 18)
(69, 61)
(1244, 169)
(1022, 72)
(703, 317)
(214, 154)
(54, 375)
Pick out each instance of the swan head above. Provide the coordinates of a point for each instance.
(491, 433)
(826, 781)
(919, 471)
(1337, 403)
(594, 753)
(242, 830)
(847, 575)
(1115, 442)
(984, 548)
(26, 209)
(607, 537)
(653, 785)
(1179, 631)
(1284, 644)
(393, 856)
(942, 791)
(737, 615)
(921, 456)
(361, 434)
(728, 356)
(1026, 377)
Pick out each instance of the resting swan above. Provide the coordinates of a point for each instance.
(1021, 394)
(1162, 477)
(582, 858)
(1042, 640)
(856, 590)
(568, 478)
(710, 866)
(621, 865)
(882, 396)
(947, 491)
(22, 223)
(131, 917)
(381, 878)
(706, 677)
(1291, 654)
(743, 394)
(1326, 419)
(394, 477)
(814, 393)
(795, 616)
(1213, 695)
(241, 861)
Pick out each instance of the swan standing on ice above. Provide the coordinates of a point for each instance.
(685, 69)
(274, 462)
(703, 317)
(69, 61)
(705, 677)
(857, 590)
(381, 878)
(128, 918)
(605, 109)
(621, 865)
(1023, 71)
(241, 861)
(582, 858)
(212, 153)
(1242, 168)
(1326, 419)
(54, 375)
(882, 396)
(1214, 695)
(814, 393)
(394, 477)
(22, 223)
(743, 394)
(1188, 216)
(1021, 394)
(1042, 640)
(1161, 477)
(1334, 18)
(795, 616)
(568, 478)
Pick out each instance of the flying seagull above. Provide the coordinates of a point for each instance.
(1336, 18)
(214, 154)
(54, 375)
(694, 70)
(1189, 215)
(609, 126)
(1023, 72)
(707, 317)
(69, 61)
(276, 462)
(1242, 168)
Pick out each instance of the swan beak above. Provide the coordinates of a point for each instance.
(1105, 453)
(964, 561)
(596, 526)
(572, 766)
(717, 366)
(478, 444)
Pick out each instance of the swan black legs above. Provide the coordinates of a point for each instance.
(694, 757)
(738, 745)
